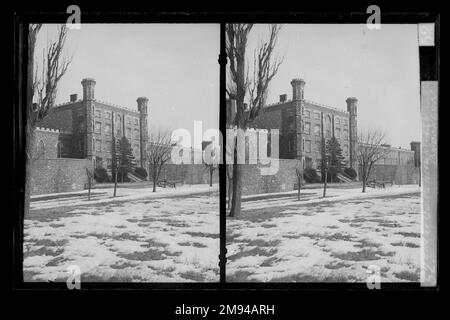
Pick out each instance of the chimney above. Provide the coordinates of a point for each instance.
(298, 86)
(73, 97)
(88, 88)
(283, 97)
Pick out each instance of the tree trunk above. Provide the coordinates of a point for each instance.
(230, 194)
(154, 181)
(29, 146)
(237, 190)
(298, 192)
(325, 184)
(115, 182)
(210, 177)
(364, 183)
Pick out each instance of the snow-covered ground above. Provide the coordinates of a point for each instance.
(334, 239)
(170, 235)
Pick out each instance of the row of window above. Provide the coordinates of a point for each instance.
(318, 147)
(105, 146)
(107, 130)
(337, 131)
(307, 114)
(107, 115)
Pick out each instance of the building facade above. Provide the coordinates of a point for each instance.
(303, 125)
(87, 127)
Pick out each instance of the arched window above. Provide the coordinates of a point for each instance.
(59, 147)
(40, 150)
(328, 126)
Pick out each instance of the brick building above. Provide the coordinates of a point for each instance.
(87, 126)
(303, 126)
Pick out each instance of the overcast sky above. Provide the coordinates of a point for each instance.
(379, 67)
(175, 66)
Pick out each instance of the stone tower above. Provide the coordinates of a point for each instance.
(352, 105)
(89, 105)
(298, 86)
(143, 127)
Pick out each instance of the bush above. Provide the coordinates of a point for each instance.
(141, 172)
(310, 175)
(350, 172)
(101, 175)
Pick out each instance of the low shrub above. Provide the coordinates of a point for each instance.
(310, 175)
(101, 175)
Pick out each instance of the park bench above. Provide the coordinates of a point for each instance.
(166, 183)
(379, 184)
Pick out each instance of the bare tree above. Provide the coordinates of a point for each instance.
(158, 154)
(265, 67)
(212, 164)
(369, 151)
(41, 89)
(299, 174)
(90, 178)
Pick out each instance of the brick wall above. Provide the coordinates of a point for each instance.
(284, 180)
(400, 174)
(189, 173)
(46, 141)
(59, 175)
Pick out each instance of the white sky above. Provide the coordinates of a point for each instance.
(379, 67)
(175, 66)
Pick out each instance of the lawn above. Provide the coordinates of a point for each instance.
(140, 236)
(335, 239)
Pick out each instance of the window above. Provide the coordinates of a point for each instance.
(317, 115)
(318, 146)
(99, 162)
(136, 150)
(98, 145)
(98, 127)
(346, 149)
(308, 146)
(290, 121)
(338, 121)
(107, 146)
(108, 115)
(108, 163)
(345, 135)
(328, 126)
(40, 150)
(98, 113)
(290, 144)
(317, 130)
(81, 146)
(337, 133)
(307, 114)
(128, 132)
(307, 128)
(128, 120)
(136, 134)
(107, 129)
(59, 149)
